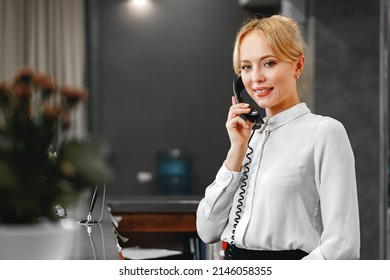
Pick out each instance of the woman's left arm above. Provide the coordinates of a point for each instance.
(336, 184)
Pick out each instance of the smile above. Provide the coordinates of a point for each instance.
(263, 91)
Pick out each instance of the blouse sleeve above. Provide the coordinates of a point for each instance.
(213, 210)
(336, 184)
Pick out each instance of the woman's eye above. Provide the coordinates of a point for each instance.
(245, 67)
(269, 64)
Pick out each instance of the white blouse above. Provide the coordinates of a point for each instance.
(300, 194)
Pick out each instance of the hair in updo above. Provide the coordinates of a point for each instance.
(282, 34)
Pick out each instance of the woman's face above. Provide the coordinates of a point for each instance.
(270, 81)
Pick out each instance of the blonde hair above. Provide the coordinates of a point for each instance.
(282, 34)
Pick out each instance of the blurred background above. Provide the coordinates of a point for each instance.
(159, 75)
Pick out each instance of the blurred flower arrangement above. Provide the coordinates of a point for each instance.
(37, 169)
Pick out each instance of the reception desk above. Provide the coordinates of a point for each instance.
(167, 222)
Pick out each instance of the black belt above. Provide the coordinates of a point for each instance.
(234, 253)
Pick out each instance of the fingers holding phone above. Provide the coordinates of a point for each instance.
(242, 119)
(239, 129)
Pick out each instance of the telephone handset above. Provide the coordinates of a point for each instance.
(239, 91)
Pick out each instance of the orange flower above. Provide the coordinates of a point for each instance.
(51, 112)
(73, 95)
(45, 83)
(23, 92)
(23, 76)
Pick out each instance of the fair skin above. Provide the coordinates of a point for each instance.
(270, 82)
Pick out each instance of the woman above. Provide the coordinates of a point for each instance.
(300, 198)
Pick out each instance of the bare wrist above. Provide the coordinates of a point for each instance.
(235, 158)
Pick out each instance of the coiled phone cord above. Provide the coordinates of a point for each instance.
(241, 196)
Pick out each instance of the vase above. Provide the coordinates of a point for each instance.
(41, 241)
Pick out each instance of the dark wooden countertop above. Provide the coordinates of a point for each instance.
(153, 204)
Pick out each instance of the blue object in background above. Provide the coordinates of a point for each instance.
(174, 172)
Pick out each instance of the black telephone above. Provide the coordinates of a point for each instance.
(239, 90)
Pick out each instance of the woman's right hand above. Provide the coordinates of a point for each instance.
(239, 132)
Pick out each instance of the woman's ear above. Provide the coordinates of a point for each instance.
(299, 66)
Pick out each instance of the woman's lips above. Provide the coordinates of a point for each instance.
(261, 92)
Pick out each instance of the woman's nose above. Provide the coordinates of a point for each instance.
(258, 75)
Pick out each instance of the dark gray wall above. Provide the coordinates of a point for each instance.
(162, 80)
(347, 88)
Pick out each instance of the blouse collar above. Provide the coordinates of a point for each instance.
(286, 116)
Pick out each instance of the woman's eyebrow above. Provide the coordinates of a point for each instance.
(261, 58)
